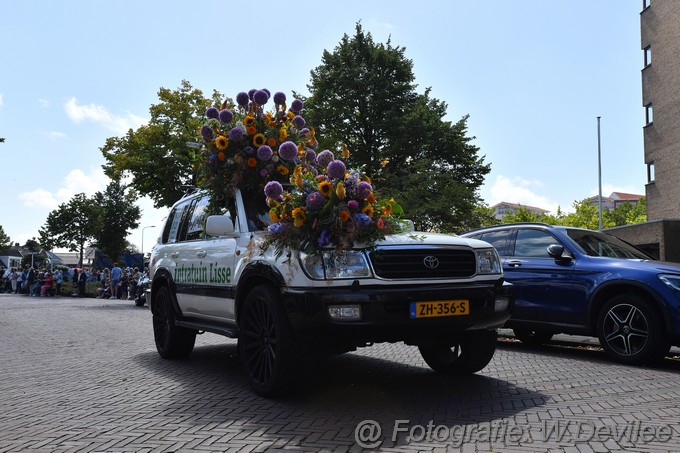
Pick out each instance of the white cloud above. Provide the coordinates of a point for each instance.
(76, 181)
(1, 101)
(98, 114)
(56, 135)
(521, 191)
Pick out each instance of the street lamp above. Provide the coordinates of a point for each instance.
(144, 228)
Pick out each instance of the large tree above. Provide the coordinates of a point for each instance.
(156, 155)
(363, 97)
(72, 225)
(4, 239)
(118, 214)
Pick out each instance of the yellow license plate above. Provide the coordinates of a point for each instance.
(440, 308)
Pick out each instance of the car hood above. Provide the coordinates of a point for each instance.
(422, 238)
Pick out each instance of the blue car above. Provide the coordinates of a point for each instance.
(583, 282)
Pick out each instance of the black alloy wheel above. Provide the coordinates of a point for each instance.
(172, 342)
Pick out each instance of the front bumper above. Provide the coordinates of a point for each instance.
(385, 312)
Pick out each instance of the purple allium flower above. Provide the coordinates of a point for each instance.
(263, 173)
(362, 219)
(296, 106)
(324, 238)
(264, 152)
(364, 189)
(299, 122)
(236, 134)
(242, 99)
(261, 97)
(324, 158)
(251, 93)
(277, 228)
(269, 93)
(212, 112)
(207, 133)
(279, 98)
(315, 201)
(310, 155)
(353, 205)
(273, 190)
(226, 116)
(304, 131)
(249, 150)
(336, 169)
(288, 150)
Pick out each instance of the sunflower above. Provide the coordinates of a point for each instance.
(325, 187)
(283, 134)
(282, 170)
(221, 142)
(248, 121)
(368, 210)
(259, 140)
(299, 217)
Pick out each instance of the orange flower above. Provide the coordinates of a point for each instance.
(381, 223)
(283, 134)
(298, 181)
(271, 141)
(387, 209)
(259, 140)
(325, 187)
(371, 198)
(221, 142)
(273, 216)
(252, 162)
(340, 191)
(282, 170)
(345, 152)
(220, 155)
(251, 130)
(344, 215)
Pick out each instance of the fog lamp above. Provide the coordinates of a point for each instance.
(501, 304)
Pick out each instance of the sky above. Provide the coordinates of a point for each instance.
(533, 76)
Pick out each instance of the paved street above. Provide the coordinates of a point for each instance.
(83, 375)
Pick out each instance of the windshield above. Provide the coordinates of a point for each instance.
(600, 244)
(257, 211)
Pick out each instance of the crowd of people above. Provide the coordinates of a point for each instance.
(114, 283)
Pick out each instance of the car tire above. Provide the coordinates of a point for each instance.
(533, 337)
(631, 330)
(172, 341)
(266, 345)
(470, 354)
(140, 302)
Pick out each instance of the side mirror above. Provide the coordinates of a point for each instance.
(219, 225)
(557, 251)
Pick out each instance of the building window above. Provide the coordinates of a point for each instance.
(650, 172)
(648, 56)
(649, 115)
(645, 4)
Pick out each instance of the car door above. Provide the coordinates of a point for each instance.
(205, 267)
(547, 290)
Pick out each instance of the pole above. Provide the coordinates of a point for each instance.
(150, 226)
(599, 171)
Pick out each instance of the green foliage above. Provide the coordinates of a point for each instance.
(119, 214)
(4, 239)
(156, 155)
(522, 215)
(72, 225)
(363, 97)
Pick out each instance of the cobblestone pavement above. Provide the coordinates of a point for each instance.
(83, 375)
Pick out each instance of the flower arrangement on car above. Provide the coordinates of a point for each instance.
(323, 203)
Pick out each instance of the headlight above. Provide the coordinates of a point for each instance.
(488, 262)
(332, 264)
(673, 281)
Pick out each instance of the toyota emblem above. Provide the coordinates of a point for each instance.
(431, 262)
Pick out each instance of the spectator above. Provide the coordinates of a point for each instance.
(13, 278)
(116, 274)
(47, 283)
(31, 281)
(82, 281)
(58, 281)
(21, 279)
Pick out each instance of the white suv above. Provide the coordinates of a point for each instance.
(442, 293)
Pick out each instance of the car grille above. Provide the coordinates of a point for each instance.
(410, 262)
